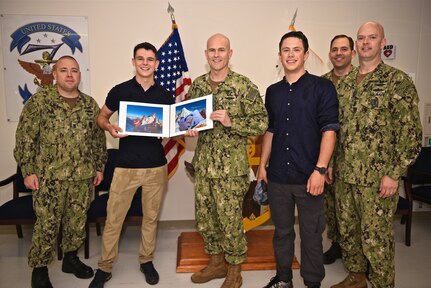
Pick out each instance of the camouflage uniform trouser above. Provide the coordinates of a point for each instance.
(219, 215)
(367, 235)
(58, 203)
(330, 215)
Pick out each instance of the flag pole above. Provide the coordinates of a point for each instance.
(292, 23)
(171, 11)
(292, 28)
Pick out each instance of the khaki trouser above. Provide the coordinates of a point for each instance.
(124, 185)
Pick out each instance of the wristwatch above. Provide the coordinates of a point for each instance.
(321, 170)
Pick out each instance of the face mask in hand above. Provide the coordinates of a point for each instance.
(260, 195)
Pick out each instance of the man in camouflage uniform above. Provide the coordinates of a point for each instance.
(221, 164)
(61, 152)
(380, 136)
(341, 53)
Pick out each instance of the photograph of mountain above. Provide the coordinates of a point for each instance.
(157, 120)
(190, 116)
(144, 119)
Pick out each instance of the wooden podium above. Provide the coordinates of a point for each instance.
(191, 256)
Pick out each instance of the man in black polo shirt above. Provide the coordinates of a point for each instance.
(141, 163)
(303, 120)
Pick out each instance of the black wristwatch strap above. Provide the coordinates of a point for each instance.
(321, 170)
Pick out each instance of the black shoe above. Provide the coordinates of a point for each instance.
(72, 264)
(151, 275)
(275, 282)
(99, 279)
(332, 254)
(40, 278)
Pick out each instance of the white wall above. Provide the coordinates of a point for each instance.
(254, 28)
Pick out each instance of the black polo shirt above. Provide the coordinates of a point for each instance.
(298, 114)
(139, 151)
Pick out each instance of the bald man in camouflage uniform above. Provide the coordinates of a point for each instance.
(380, 136)
(221, 163)
(61, 152)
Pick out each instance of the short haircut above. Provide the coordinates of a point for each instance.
(146, 46)
(64, 57)
(296, 34)
(351, 43)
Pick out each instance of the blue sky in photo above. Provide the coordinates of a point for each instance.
(134, 111)
(198, 105)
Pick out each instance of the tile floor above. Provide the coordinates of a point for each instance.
(413, 264)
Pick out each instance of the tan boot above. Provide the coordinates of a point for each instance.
(233, 278)
(353, 280)
(216, 269)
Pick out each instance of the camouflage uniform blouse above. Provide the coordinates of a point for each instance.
(329, 76)
(59, 143)
(380, 130)
(337, 85)
(221, 151)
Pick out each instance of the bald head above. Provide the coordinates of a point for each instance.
(370, 41)
(218, 54)
(219, 38)
(375, 25)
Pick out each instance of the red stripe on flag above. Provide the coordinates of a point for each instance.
(172, 74)
(169, 145)
(180, 89)
(173, 151)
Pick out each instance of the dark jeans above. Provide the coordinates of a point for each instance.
(282, 200)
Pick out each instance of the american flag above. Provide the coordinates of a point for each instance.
(173, 75)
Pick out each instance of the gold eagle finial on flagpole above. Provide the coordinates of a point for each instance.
(171, 11)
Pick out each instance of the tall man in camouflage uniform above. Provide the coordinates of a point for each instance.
(221, 164)
(303, 120)
(340, 54)
(61, 152)
(380, 136)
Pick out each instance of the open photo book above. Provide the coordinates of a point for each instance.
(158, 120)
